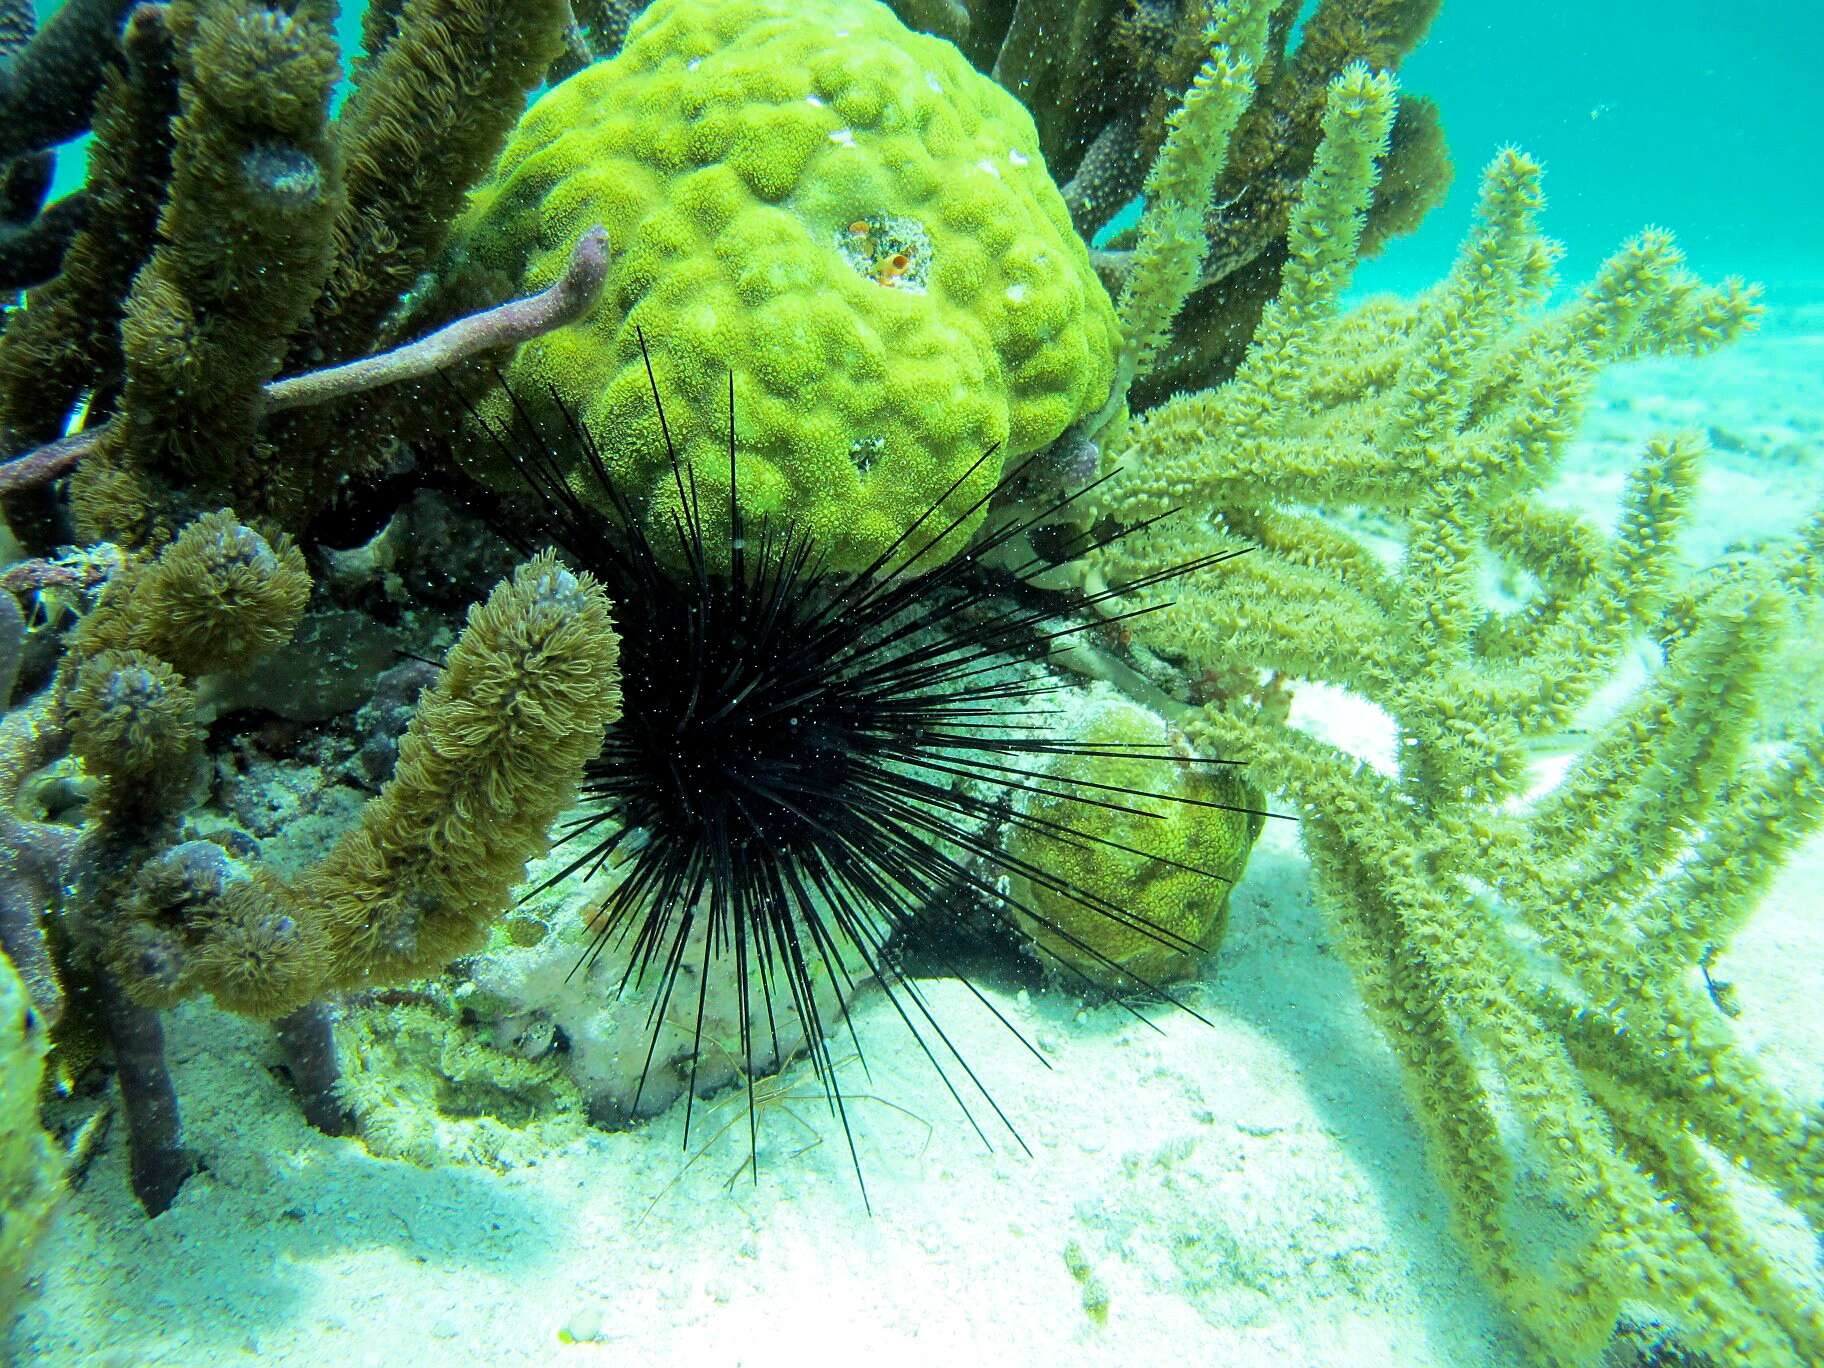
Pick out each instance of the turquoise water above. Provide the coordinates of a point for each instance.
(1702, 119)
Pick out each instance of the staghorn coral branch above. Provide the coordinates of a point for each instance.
(1533, 955)
(505, 325)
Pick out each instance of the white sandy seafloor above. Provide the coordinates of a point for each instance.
(1248, 1192)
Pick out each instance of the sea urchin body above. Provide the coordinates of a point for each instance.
(808, 761)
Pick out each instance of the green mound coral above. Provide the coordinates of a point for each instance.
(1152, 863)
(31, 1173)
(863, 230)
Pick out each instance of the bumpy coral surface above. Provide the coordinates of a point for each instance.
(30, 1171)
(842, 211)
(1133, 907)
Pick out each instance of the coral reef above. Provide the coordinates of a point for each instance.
(865, 234)
(1250, 210)
(1535, 951)
(503, 325)
(492, 754)
(215, 597)
(243, 246)
(224, 243)
(230, 227)
(67, 339)
(236, 232)
(490, 757)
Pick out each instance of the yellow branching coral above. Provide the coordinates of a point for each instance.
(1169, 257)
(1446, 411)
(1527, 955)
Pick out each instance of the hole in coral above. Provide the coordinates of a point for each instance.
(892, 251)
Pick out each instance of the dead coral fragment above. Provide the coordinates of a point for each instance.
(423, 1088)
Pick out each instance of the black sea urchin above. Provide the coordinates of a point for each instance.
(810, 760)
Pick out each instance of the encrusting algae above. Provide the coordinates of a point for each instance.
(1534, 954)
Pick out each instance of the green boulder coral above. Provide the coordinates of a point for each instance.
(840, 211)
(31, 1172)
(1138, 904)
